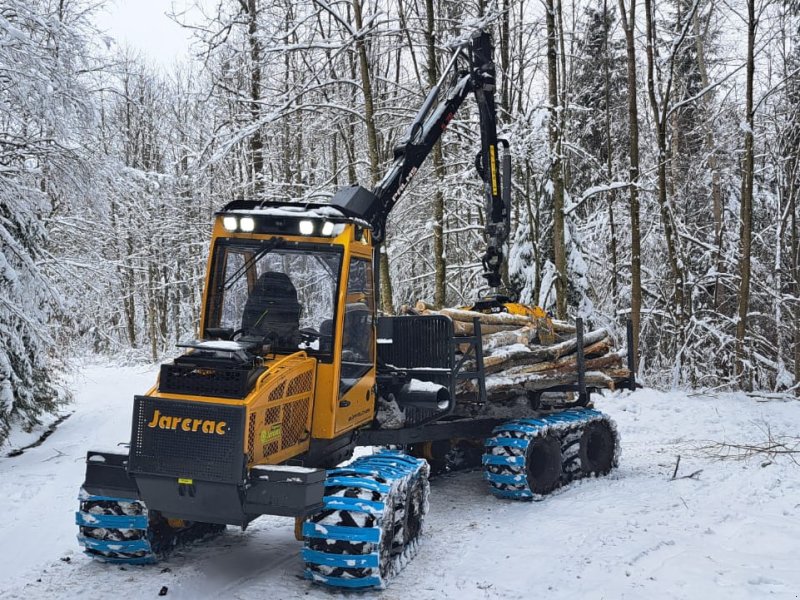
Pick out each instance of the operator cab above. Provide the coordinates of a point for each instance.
(286, 283)
(278, 294)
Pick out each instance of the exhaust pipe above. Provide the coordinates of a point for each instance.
(424, 394)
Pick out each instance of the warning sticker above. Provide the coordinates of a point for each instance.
(273, 433)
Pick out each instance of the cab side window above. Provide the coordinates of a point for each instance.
(358, 333)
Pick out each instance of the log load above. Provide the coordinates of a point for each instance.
(517, 359)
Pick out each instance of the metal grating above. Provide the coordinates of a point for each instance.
(283, 412)
(181, 439)
(277, 393)
(251, 436)
(418, 342)
(300, 384)
(272, 415)
(207, 381)
(295, 417)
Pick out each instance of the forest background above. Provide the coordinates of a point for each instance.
(655, 151)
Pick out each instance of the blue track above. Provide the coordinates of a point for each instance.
(111, 537)
(350, 543)
(506, 452)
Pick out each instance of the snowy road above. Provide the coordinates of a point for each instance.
(732, 532)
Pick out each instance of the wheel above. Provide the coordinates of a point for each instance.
(443, 456)
(372, 518)
(115, 530)
(597, 448)
(522, 462)
(528, 458)
(123, 530)
(543, 464)
(412, 516)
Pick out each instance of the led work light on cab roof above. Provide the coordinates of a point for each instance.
(247, 224)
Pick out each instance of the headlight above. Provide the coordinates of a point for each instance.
(306, 227)
(327, 228)
(229, 223)
(247, 224)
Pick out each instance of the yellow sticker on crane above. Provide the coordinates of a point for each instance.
(493, 168)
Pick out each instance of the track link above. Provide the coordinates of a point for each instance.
(525, 459)
(124, 531)
(371, 521)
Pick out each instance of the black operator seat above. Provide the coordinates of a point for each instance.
(272, 311)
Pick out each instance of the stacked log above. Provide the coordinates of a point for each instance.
(520, 356)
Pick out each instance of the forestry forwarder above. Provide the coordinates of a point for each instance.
(293, 370)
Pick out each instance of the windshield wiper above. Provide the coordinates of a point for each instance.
(268, 246)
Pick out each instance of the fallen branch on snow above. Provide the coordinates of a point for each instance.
(772, 447)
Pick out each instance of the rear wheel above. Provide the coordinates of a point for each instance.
(543, 464)
(597, 448)
(530, 457)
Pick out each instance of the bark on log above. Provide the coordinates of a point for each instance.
(463, 328)
(510, 360)
(542, 381)
(504, 319)
(569, 364)
(508, 338)
(606, 363)
(568, 346)
(595, 344)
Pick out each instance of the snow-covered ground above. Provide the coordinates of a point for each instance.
(732, 531)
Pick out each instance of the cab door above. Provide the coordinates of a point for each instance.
(357, 359)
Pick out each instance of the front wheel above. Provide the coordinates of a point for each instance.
(368, 529)
(123, 530)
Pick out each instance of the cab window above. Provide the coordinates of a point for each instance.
(358, 333)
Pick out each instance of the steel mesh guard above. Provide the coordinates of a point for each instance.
(195, 440)
(281, 427)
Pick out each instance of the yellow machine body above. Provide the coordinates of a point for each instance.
(297, 397)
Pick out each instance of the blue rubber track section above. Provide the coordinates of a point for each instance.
(337, 532)
(111, 521)
(140, 545)
(362, 495)
(505, 454)
(135, 549)
(344, 582)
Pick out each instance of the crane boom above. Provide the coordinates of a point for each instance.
(428, 126)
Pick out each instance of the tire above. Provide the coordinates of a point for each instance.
(416, 507)
(597, 448)
(543, 464)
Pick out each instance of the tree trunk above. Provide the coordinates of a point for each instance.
(372, 149)
(559, 247)
(609, 168)
(629, 23)
(796, 290)
(746, 213)
(256, 143)
(660, 120)
(710, 144)
(439, 264)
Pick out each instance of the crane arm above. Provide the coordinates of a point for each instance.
(428, 126)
